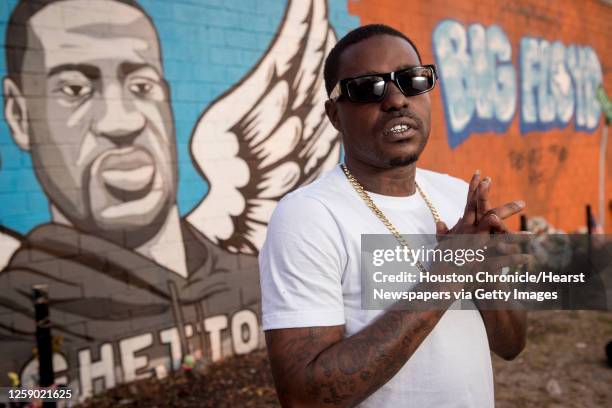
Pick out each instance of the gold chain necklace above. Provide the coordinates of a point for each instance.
(382, 217)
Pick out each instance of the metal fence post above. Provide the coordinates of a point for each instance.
(43, 335)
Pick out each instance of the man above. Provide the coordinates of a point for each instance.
(86, 96)
(324, 349)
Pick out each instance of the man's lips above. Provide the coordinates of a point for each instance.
(404, 135)
(399, 129)
(126, 172)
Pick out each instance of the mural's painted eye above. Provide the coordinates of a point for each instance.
(141, 87)
(75, 90)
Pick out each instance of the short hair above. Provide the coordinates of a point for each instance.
(330, 72)
(17, 32)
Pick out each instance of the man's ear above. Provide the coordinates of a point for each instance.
(16, 113)
(332, 113)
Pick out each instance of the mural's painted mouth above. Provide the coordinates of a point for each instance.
(126, 184)
(127, 173)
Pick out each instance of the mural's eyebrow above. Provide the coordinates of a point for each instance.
(89, 71)
(127, 68)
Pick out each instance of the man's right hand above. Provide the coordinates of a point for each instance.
(478, 217)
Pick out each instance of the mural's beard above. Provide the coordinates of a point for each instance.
(129, 232)
(136, 236)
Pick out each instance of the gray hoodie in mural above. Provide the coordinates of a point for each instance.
(110, 303)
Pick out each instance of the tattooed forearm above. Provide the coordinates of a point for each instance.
(506, 331)
(506, 328)
(317, 366)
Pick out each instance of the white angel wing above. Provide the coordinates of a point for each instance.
(10, 241)
(268, 134)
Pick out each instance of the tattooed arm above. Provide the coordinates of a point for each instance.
(317, 366)
(506, 331)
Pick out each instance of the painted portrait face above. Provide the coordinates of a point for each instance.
(100, 125)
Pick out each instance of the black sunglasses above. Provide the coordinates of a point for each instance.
(372, 87)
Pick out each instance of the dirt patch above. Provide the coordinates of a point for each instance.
(563, 365)
(244, 381)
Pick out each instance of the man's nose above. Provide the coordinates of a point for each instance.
(394, 98)
(119, 120)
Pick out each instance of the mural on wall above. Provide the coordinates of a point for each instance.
(9, 242)
(558, 82)
(481, 87)
(266, 136)
(134, 285)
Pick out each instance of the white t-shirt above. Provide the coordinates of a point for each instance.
(310, 276)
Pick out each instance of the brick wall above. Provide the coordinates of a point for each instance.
(552, 165)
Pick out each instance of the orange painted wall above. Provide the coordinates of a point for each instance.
(556, 171)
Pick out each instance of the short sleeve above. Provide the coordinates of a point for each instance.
(301, 266)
